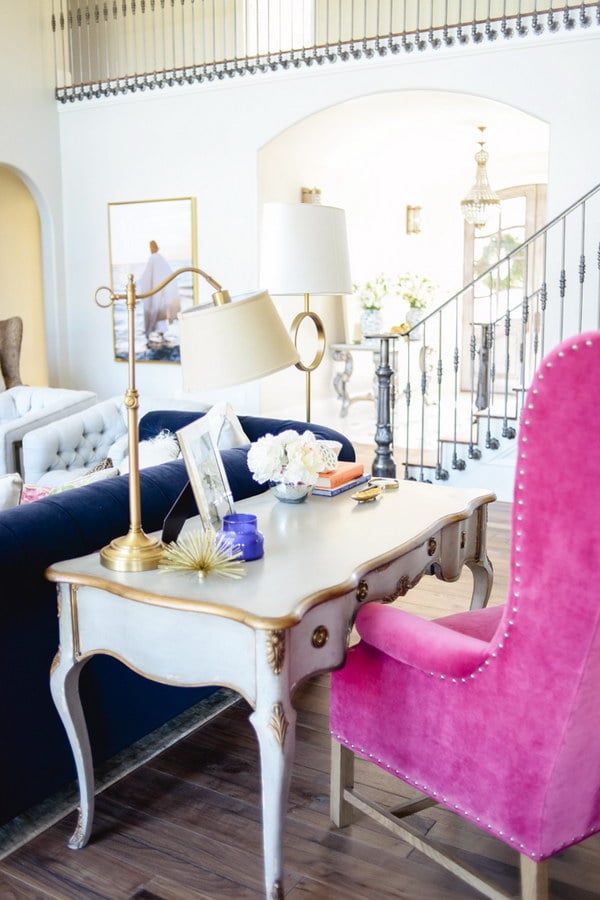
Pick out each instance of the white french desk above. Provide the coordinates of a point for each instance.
(287, 619)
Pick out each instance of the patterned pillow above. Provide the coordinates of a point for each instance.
(32, 492)
(105, 464)
(89, 478)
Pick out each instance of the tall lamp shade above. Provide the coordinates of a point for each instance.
(304, 250)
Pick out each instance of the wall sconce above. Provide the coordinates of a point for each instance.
(311, 195)
(413, 219)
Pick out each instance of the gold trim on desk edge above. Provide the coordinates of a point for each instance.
(247, 617)
(74, 620)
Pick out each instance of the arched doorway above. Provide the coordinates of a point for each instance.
(21, 291)
(376, 155)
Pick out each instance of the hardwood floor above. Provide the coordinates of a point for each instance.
(187, 825)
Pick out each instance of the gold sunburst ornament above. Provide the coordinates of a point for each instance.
(203, 552)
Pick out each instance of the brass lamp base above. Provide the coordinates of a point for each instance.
(133, 552)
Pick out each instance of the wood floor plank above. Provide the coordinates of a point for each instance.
(18, 889)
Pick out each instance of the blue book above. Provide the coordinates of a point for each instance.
(331, 492)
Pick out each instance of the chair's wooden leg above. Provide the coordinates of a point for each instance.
(342, 777)
(534, 879)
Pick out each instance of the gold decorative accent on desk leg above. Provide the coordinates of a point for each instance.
(279, 724)
(320, 636)
(362, 591)
(55, 662)
(276, 650)
(277, 891)
(403, 586)
(74, 620)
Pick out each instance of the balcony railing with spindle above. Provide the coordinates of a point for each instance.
(107, 48)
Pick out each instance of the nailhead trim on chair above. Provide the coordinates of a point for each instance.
(515, 593)
(454, 806)
(521, 502)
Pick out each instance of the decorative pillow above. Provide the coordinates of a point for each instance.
(89, 478)
(33, 492)
(105, 464)
(224, 427)
(10, 490)
(162, 448)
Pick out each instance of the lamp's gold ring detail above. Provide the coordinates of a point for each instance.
(111, 300)
(294, 329)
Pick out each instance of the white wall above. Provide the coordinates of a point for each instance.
(29, 146)
(203, 141)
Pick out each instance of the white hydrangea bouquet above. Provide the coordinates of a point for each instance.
(289, 458)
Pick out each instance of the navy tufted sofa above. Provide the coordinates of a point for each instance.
(121, 706)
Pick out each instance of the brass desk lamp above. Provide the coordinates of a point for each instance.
(230, 341)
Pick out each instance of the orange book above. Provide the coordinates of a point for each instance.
(343, 472)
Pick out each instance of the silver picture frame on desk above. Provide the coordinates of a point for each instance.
(206, 472)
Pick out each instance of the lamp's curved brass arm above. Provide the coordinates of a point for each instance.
(219, 297)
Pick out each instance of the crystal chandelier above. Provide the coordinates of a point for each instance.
(477, 204)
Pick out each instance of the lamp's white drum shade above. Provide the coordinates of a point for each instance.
(304, 249)
(233, 343)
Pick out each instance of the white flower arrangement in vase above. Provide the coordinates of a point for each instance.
(370, 295)
(289, 461)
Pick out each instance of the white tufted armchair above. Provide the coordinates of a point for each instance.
(23, 408)
(62, 451)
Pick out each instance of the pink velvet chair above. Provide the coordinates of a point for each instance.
(495, 713)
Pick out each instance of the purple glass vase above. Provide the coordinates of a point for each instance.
(241, 531)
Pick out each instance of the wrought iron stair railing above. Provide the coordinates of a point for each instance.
(107, 48)
(463, 379)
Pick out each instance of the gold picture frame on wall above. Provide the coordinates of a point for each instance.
(206, 472)
(150, 239)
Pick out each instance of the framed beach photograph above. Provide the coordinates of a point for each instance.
(150, 239)
(206, 473)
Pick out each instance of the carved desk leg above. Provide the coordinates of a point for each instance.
(274, 721)
(64, 685)
(341, 379)
(481, 566)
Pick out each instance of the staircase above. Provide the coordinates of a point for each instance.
(463, 388)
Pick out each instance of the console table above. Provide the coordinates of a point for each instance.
(289, 618)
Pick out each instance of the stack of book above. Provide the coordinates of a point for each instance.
(345, 476)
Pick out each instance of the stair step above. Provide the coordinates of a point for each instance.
(414, 458)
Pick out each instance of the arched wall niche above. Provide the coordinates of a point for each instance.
(22, 270)
(375, 155)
